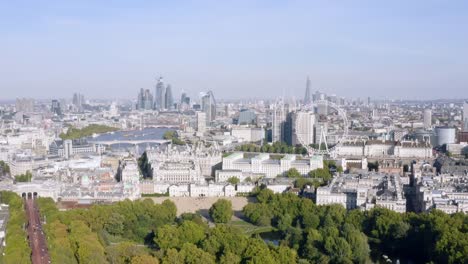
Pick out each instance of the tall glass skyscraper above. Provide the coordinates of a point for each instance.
(209, 106)
(160, 101)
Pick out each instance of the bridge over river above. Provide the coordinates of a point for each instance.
(131, 142)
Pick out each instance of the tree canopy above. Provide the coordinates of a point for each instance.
(76, 133)
(17, 248)
(144, 232)
(221, 211)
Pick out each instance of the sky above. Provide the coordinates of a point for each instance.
(238, 49)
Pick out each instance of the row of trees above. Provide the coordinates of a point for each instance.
(279, 147)
(4, 168)
(276, 147)
(27, 177)
(317, 177)
(332, 234)
(76, 133)
(17, 249)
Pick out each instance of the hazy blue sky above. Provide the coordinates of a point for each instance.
(238, 49)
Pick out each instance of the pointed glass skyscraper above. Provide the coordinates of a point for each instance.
(160, 96)
(308, 95)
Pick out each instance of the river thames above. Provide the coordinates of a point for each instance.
(132, 135)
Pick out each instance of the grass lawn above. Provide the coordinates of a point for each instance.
(249, 228)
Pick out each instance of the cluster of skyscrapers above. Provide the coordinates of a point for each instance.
(78, 102)
(163, 99)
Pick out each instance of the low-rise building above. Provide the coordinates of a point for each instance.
(364, 192)
(271, 165)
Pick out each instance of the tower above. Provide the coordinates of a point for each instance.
(277, 122)
(427, 118)
(308, 95)
(465, 116)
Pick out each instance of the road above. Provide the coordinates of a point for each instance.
(37, 240)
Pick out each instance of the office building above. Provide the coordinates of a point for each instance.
(209, 106)
(169, 101)
(184, 102)
(201, 122)
(55, 108)
(246, 117)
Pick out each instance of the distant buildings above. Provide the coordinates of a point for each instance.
(24, 105)
(56, 108)
(78, 101)
(163, 99)
(465, 116)
(184, 102)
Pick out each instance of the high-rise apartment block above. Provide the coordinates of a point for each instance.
(465, 116)
(303, 128)
(427, 118)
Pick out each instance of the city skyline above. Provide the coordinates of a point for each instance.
(236, 50)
